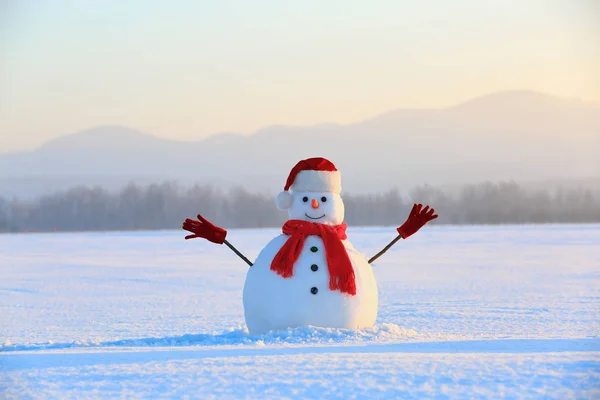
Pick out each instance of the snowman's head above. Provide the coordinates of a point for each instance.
(312, 192)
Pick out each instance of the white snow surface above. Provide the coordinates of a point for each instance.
(464, 312)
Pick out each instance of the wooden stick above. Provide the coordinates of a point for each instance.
(386, 248)
(236, 251)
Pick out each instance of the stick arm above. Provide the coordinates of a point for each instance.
(236, 251)
(386, 248)
(418, 217)
(203, 228)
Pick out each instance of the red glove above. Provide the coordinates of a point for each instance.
(204, 229)
(416, 220)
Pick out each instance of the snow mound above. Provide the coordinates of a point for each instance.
(384, 333)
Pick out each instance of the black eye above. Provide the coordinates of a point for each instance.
(305, 199)
(323, 199)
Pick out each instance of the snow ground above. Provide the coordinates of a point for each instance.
(465, 312)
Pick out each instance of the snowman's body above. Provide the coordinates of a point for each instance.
(272, 302)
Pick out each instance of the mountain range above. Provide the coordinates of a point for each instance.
(519, 135)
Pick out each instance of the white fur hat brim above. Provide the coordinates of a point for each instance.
(318, 181)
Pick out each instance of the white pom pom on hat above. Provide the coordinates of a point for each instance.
(311, 175)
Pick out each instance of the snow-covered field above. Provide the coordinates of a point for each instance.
(465, 312)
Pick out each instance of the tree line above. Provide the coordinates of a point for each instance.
(166, 205)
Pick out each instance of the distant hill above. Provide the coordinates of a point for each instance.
(520, 135)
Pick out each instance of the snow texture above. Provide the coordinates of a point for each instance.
(464, 312)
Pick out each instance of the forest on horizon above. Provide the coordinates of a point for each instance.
(166, 205)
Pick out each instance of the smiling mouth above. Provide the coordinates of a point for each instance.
(315, 218)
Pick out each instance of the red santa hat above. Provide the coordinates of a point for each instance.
(311, 175)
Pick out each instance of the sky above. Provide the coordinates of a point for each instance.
(189, 69)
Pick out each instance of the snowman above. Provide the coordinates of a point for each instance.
(310, 275)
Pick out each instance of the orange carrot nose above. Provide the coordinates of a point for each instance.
(315, 203)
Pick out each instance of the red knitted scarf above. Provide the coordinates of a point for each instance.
(341, 273)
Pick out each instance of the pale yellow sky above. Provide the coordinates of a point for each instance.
(188, 69)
